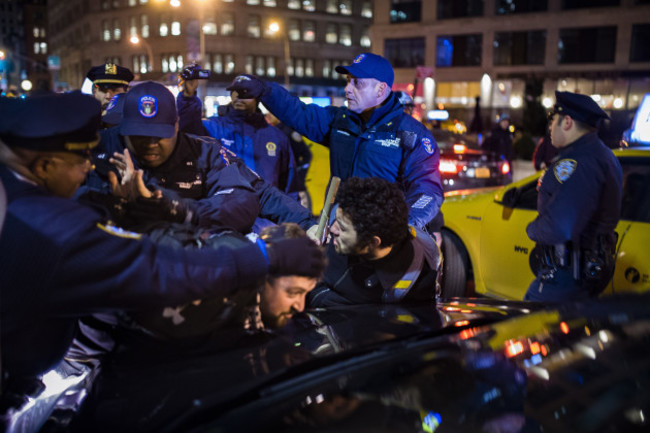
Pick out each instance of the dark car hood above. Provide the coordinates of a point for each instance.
(458, 366)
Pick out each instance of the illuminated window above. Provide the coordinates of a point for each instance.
(176, 28)
(42, 32)
(116, 4)
(133, 26)
(227, 24)
(217, 63)
(327, 68)
(164, 27)
(36, 32)
(331, 36)
(299, 68)
(106, 31)
(332, 7)
(260, 69)
(248, 67)
(270, 3)
(293, 4)
(143, 2)
(345, 37)
(43, 48)
(144, 26)
(229, 63)
(37, 48)
(309, 67)
(365, 38)
(141, 64)
(270, 66)
(254, 26)
(366, 9)
(294, 30)
(345, 7)
(117, 31)
(253, 2)
(133, 2)
(210, 25)
(309, 5)
(309, 31)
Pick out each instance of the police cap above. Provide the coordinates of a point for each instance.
(580, 107)
(50, 122)
(110, 73)
(369, 65)
(149, 110)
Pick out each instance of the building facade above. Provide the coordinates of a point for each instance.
(509, 51)
(307, 38)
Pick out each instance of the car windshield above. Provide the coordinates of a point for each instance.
(447, 139)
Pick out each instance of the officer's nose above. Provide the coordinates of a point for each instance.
(334, 228)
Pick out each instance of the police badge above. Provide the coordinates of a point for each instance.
(564, 168)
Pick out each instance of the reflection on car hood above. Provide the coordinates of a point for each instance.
(467, 365)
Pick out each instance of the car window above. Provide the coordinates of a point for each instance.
(636, 189)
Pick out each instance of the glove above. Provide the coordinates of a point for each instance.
(295, 256)
(158, 209)
(248, 86)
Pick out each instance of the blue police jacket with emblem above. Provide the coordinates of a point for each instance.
(391, 145)
(263, 147)
(61, 260)
(579, 196)
(210, 180)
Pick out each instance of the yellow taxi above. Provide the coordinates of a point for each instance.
(486, 248)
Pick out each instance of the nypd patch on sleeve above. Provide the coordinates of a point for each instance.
(428, 145)
(117, 231)
(564, 168)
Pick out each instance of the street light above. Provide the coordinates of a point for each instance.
(274, 27)
(135, 40)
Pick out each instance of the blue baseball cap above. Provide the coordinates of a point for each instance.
(580, 107)
(369, 65)
(51, 122)
(149, 110)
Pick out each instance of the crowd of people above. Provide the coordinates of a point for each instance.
(126, 208)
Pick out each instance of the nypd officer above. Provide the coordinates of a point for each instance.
(109, 80)
(371, 137)
(196, 180)
(264, 148)
(61, 260)
(579, 205)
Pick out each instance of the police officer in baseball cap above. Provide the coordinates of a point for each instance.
(579, 205)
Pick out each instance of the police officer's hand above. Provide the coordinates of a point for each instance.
(130, 185)
(158, 208)
(248, 86)
(296, 256)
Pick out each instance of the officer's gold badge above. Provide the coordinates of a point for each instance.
(271, 148)
(110, 69)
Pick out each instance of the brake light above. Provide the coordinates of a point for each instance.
(460, 148)
(505, 167)
(447, 166)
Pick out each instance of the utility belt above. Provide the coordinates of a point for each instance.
(586, 264)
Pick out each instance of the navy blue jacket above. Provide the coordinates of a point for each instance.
(579, 195)
(210, 181)
(190, 112)
(391, 145)
(263, 147)
(61, 261)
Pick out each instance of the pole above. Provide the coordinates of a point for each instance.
(287, 58)
(325, 213)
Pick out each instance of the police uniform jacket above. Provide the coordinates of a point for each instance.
(391, 145)
(210, 180)
(190, 111)
(406, 274)
(263, 147)
(579, 195)
(61, 261)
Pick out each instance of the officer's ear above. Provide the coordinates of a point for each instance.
(41, 167)
(375, 242)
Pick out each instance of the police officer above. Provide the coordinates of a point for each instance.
(62, 260)
(109, 80)
(372, 136)
(579, 205)
(263, 147)
(195, 179)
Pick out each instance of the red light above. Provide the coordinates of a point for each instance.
(564, 327)
(505, 167)
(447, 166)
(514, 348)
(460, 148)
(466, 333)
(535, 348)
(462, 323)
(544, 350)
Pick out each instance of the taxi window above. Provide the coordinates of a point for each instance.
(636, 190)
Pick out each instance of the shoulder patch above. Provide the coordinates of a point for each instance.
(564, 168)
(428, 145)
(119, 232)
